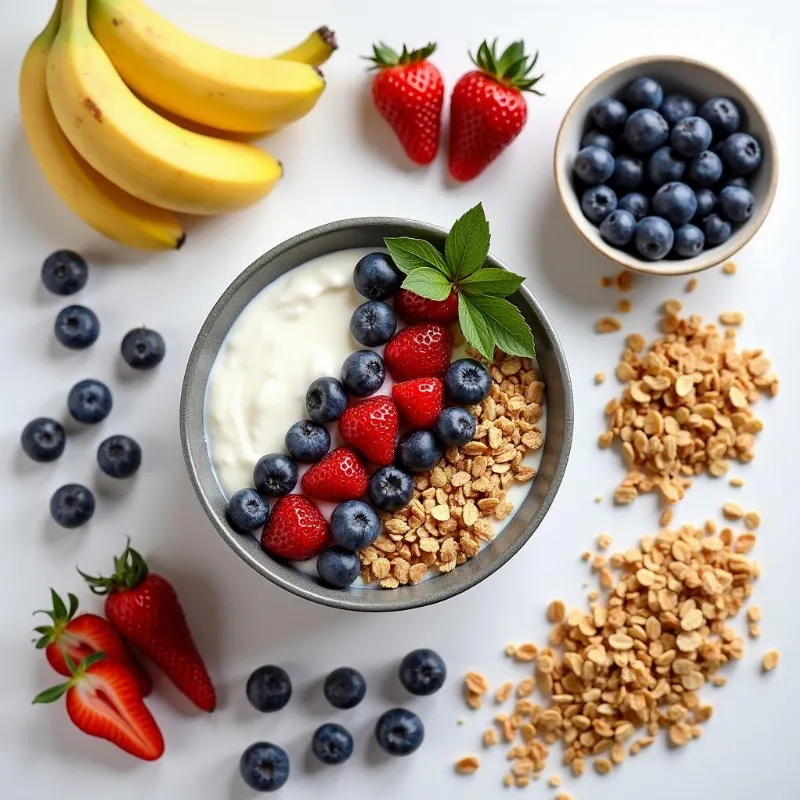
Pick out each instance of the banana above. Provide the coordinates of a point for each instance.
(135, 148)
(98, 202)
(315, 49)
(198, 81)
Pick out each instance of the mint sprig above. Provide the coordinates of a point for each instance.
(486, 319)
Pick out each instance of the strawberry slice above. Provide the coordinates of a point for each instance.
(419, 401)
(419, 351)
(371, 428)
(295, 530)
(412, 307)
(338, 477)
(103, 700)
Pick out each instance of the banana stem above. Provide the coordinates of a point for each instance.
(75, 14)
(51, 29)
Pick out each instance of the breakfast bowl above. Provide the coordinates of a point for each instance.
(202, 416)
(699, 82)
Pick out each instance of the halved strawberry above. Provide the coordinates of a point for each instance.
(371, 428)
(419, 351)
(338, 477)
(296, 529)
(413, 308)
(419, 401)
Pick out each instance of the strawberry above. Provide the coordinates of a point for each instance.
(488, 109)
(419, 351)
(103, 700)
(371, 428)
(408, 92)
(79, 636)
(413, 308)
(144, 608)
(338, 477)
(420, 401)
(296, 529)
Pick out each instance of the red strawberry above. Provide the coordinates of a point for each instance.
(413, 308)
(103, 700)
(296, 529)
(144, 608)
(420, 401)
(338, 477)
(79, 636)
(419, 351)
(371, 428)
(488, 109)
(408, 92)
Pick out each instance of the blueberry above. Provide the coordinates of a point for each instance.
(64, 272)
(597, 202)
(609, 114)
(89, 401)
(338, 566)
(275, 475)
(119, 456)
(373, 323)
(654, 238)
(419, 451)
(691, 136)
(675, 107)
(628, 174)
(354, 525)
(363, 373)
(390, 488)
(643, 93)
(705, 169)
(264, 767)
(636, 203)
(307, 441)
(736, 204)
(716, 230)
(376, 277)
(675, 202)
(43, 439)
(142, 348)
(345, 688)
(740, 153)
(706, 202)
(594, 164)
(72, 505)
(455, 426)
(247, 510)
(77, 327)
(467, 382)
(738, 181)
(618, 228)
(689, 241)
(422, 672)
(332, 744)
(665, 165)
(399, 732)
(646, 130)
(722, 114)
(326, 400)
(598, 139)
(269, 688)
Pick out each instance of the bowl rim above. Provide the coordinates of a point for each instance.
(336, 598)
(710, 258)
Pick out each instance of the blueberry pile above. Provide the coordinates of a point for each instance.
(89, 401)
(265, 767)
(662, 178)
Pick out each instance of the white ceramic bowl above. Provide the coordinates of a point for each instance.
(700, 82)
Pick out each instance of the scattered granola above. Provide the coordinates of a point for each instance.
(736, 482)
(624, 306)
(467, 765)
(729, 268)
(691, 284)
(624, 280)
(599, 378)
(604, 541)
(770, 660)
(607, 325)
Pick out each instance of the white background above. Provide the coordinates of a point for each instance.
(342, 161)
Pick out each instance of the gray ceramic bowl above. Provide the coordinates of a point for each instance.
(353, 233)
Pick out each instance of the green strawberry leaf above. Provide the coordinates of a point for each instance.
(506, 324)
(59, 609)
(491, 281)
(409, 254)
(467, 244)
(52, 694)
(474, 327)
(428, 282)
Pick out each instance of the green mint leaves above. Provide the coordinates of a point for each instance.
(487, 320)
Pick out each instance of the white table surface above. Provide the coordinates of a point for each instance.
(342, 161)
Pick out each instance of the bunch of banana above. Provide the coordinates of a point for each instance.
(131, 119)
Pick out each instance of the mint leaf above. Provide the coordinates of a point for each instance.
(506, 324)
(409, 254)
(428, 282)
(492, 281)
(474, 327)
(467, 243)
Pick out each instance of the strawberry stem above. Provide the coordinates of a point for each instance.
(130, 569)
(76, 672)
(511, 68)
(60, 616)
(384, 56)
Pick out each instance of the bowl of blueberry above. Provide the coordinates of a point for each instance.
(666, 165)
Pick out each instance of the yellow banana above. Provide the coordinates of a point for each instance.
(135, 148)
(196, 80)
(97, 201)
(315, 49)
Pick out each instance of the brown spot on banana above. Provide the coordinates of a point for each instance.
(92, 108)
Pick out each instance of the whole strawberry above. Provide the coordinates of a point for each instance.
(488, 109)
(408, 92)
(338, 477)
(419, 401)
(296, 529)
(419, 351)
(371, 428)
(144, 608)
(411, 307)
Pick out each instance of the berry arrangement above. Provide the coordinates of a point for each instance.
(661, 177)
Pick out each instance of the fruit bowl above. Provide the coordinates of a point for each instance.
(676, 75)
(528, 513)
